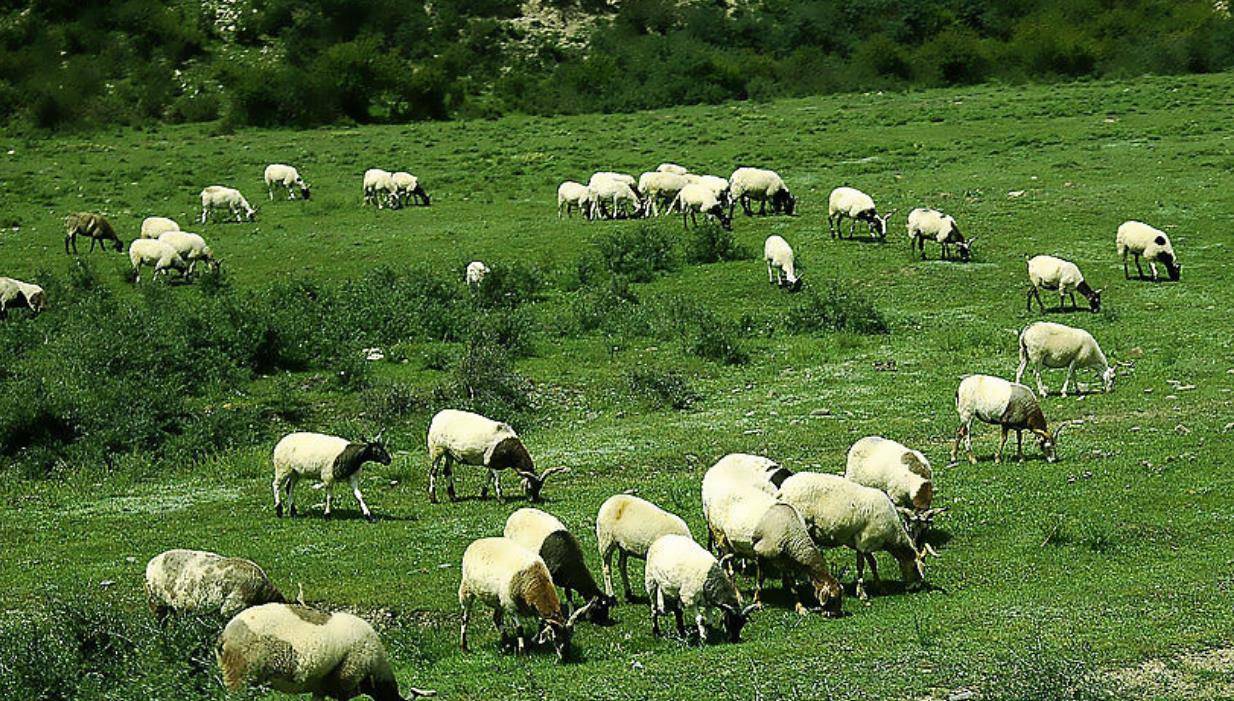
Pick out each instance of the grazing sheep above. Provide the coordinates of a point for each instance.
(162, 256)
(628, 526)
(299, 650)
(610, 175)
(476, 270)
(1057, 346)
(543, 534)
(1008, 405)
(328, 458)
(94, 227)
(607, 192)
(840, 512)
(180, 581)
(514, 582)
(855, 205)
(697, 198)
(902, 473)
(933, 225)
(780, 263)
(471, 439)
(410, 189)
(573, 196)
(286, 177)
(1050, 273)
(15, 294)
(752, 472)
(191, 248)
(1141, 240)
(380, 188)
(681, 575)
(748, 184)
(719, 186)
(217, 197)
(153, 227)
(660, 188)
(671, 168)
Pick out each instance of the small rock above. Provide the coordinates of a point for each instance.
(106, 583)
(635, 664)
(821, 412)
(1182, 430)
(1015, 193)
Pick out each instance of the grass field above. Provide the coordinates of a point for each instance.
(1054, 580)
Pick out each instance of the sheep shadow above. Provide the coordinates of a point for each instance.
(345, 515)
(937, 537)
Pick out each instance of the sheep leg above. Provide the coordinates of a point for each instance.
(655, 612)
(623, 562)
(497, 486)
(874, 569)
(1139, 269)
(606, 568)
(1152, 265)
(1002, 441)
(355, 489)
(270, 189)
(291, 495)
(968, 442)
(770, 280)
(1126, 272)
(462, 631)
(701, 624)
(329, 498)
(861, 573)
(762, 207)
(758, 581)
(1070, 376)
(92, 242)
(432, 478)
(680, 619)
(1019, 372)
(449, 470)
(1019, 446)
(278, 497)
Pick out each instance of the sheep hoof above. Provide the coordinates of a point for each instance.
(972, 459)
(370, 518)
(278, 511)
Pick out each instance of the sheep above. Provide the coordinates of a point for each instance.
(609, 175)
(621, 195)
(780, 263)
(328, 458)
(660, 187)
(286, 177)
(162, 256)
(514, 582)
(572, 196)
(755, 472)
(191, 248)
(471, 439)
(902, 473)
(1050, 273)
(153, 227)
(217, 197)
(933, 225)
(476, 270)
(1057, 346)
(746, 184)
(15, 294)
(299, 650)
(94, 227)
(409, 188)
(840, 512)
(671, 168)
(1140, 239)
(543, 534)
(855, 205)
(719, 186)
(180, 581)
(628, 526)
(380, 188)
(696, 198)
(681, 575)
(1009, 405)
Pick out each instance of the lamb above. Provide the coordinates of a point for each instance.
(471, 439)
(628, 526)
(660, 187)
(620, 195)
(933, 225)
(409, 188)
(94, 227)
(840, 512)
(1058, 346)
(15, 294)
(299, 650)
(217, 197)
(380, 188)
(681, 575)
(162, 256)
(476, 270)
(183, 581)
(328, 458)
(514, 582)
(1050, 273)
(855, 205)
(671, 168)
(780, 263)
(543, 534)
(191, 248)
(286, 177)
(1009, 405)
(1141, 240)
(748, 184)
(153, 227)
(902, 473)
(696, 198)
(572, 196)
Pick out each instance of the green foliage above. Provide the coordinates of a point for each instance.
(484, 380)
(836, 308)
(662, 387)
(711, 243)
(635, 253)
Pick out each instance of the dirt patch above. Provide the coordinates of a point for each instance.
(1198, 675)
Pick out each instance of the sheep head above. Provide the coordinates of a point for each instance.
(1107, 378)
(533, 483)
(559, 633)
(1171, 265)
(600, 607)
(830, 595)
(965, 249)
(735, 619)
(376, 450)
(304, 191)
(784, 201)
(1094, 301)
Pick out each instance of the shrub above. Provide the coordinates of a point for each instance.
(508, 285)
(716, 339)
(483, 380)
(711, 243)
(836, 309)
(606, 305)
(638, 253)
(662, 387)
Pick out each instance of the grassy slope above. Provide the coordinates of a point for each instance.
(1136, 513)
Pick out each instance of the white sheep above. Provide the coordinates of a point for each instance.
(840, 512)
(902, 473)
(162, 256)
(854, 205)
(612, 198)
(471, 439)
(572, 196)
(746, 184)
(660, 188)
(328, 458)
(278, 175)
(1141, 240)
(217, 197)
(409, 188)
(545, 535)
(380, 188)
(180, 581)
(780, 259)
(192, 248)
(1057, 346)
(695, 199)
(671, 168)
(931, 224)
(15, 294)
(718, 186)
(1050, 273)
(683, 577)
(476, 271)
(153, 227)
(299, 650)
(628, 525)
(754, 472)
(514, 582)
(1008, 405)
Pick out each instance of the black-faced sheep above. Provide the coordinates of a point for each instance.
(1143, 241)
(471, 439)
(747, 184)
(278, 175)
(855, 205)
(328, 458)
(543, 534)
(15, 294)
(1050, 273)
(217, 198)
(683, 577)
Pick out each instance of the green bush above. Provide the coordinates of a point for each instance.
(637, 254)
(836, 309)
(662, 387)
(711, 243)
(484, 380)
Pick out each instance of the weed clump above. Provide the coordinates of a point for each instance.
(836, 309)
(711, 243)
(662, 387)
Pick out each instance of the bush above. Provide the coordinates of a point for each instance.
(604, 306)
(636, 254)
(711, 243)
(508, 285)
(483, 380)
(836, 309)
(662, 387)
